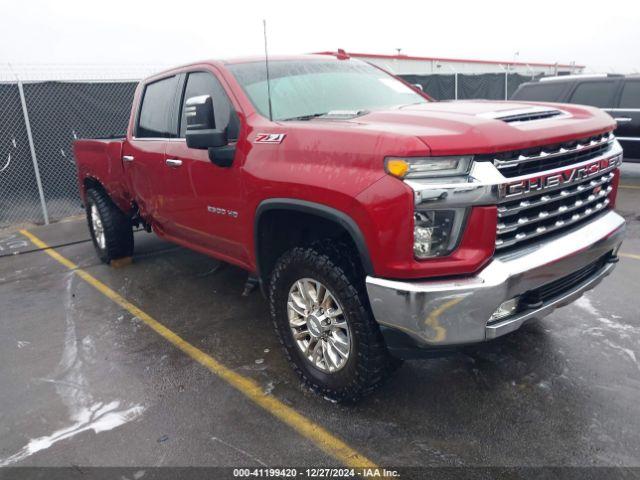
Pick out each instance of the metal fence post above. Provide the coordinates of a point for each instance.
(32, 147)
(506, 84)
(455, 83)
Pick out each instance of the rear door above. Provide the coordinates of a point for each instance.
(549, 91)
(144, 153)
(627, 115)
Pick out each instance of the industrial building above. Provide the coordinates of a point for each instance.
(412, 65)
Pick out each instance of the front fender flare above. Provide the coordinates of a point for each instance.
(323, 211)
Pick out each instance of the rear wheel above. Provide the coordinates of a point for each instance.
(324, 323)
(111, 230)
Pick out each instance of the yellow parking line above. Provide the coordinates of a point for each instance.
(630, 255)
(323, 439)
(635, 187)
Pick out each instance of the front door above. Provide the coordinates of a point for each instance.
(205, 200)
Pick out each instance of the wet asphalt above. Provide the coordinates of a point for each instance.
(84, 382)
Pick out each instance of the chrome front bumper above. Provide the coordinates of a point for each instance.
(437, 313)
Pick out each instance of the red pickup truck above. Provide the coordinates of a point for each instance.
(381, 225)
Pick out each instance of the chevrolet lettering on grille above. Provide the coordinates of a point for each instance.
(566, 177)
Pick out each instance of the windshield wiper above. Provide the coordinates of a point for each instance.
(333, 114)
(414, 103)
(306, 117)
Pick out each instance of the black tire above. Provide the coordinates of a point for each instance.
(118, 230)
(369, 362)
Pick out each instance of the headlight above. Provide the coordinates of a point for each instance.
(436, 232)
(423, 167)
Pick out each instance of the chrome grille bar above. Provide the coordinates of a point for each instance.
(501, 243)
(515, 207)
(579, 148)
(520, 221)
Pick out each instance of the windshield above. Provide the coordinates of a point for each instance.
(313, 87)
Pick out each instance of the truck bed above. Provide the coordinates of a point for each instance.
(101, 159)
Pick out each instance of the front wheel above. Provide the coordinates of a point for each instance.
(325, 326)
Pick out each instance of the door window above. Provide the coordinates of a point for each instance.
(155, 112)
(630, 95)
(204, 83)
(597, 94)
(540, 92)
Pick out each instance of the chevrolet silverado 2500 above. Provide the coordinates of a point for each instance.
(380, 224)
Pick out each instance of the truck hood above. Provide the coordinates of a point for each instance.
(480, 126)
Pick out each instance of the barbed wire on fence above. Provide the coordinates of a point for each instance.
(11, 72)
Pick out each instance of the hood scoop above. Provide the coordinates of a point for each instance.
(522, 115)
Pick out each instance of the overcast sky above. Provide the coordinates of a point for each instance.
(604, 35)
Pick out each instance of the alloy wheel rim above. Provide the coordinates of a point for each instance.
(318, 325)
(98, 228)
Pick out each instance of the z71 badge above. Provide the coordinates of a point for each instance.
(269, 138)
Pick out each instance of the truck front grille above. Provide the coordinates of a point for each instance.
(521, 221)
(534, 160)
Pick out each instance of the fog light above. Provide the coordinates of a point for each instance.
(436, 232)
(506, 309)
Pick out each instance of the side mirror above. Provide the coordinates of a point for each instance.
(202, 134)
(201, 130)
(417, 86)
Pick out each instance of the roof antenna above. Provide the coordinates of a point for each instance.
(266, 63)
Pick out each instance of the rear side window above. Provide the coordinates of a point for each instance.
(155, 112)
(540, 92)
(630, 95)
(597, 94)
(204, 83)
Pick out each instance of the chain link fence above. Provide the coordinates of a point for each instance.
(61, 112)
(45, 108)
(458, 86)
(19, 199)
